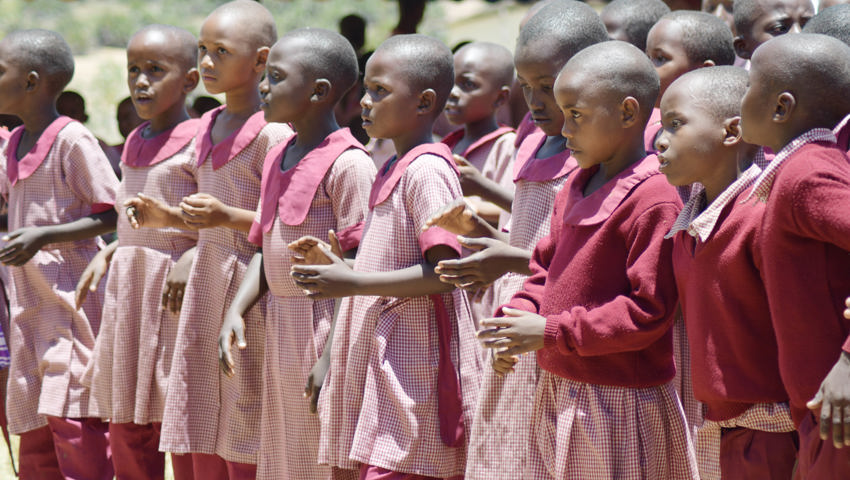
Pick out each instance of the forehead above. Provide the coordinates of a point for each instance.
(472, 59)
(773, 7)
(683, 94)
(226, 26)
(153, 42)
(666, 32)
(287, 49)
(386, 64)
(536, 63)
(577, 85)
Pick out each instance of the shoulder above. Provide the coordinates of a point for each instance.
(75, 132)
(813, 166)
(429, 164)
(273, 133)
(354, 158)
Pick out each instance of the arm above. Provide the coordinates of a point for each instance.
(459, 218)
(317, 375)
(202, 210)
(473, 182)
(23, 243)
(479, 270)
(175, 282)
(251, 289)
(94, 272)
(145, 211)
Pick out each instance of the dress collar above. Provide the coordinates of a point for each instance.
(228, 148)
(392, 171)
(454, 137)
(29, 163)
(144, 152)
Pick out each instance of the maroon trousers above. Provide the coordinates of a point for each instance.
(136, 455)
(755, 454)
(67, 448)
(370, 472)
(213, 467)
(820, 459)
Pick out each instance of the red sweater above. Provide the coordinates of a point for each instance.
(805, 245)
(603, 279)
(733, 349)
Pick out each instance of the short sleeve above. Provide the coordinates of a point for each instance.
(431, 184)
(88, 172)
(255, 235)
(348, 186)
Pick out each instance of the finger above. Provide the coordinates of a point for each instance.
(336, 247)
(82, 290)
(516, 350)
(314, 400)
(502, 342)
(165, 292)
(303, 243)
(513, 312)
(815, 403)
(497, 322)
(473, 243)
(226, 357)
(191, 210)
(241, 343)
(310, 270)
(11, 235)
(846, 412)
(173, 303)
(837, 426)
(825, 420)
(308, 389)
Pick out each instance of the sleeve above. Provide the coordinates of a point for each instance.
(4, 179)
(632, 321)
(349, 186)
(504, 152)
(255, 235)
(819, 207)
(89, 174)
(431, 184)
(531, 295)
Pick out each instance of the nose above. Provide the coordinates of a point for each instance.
(795, 28)
(534, 101)
(366, 101)
(264, 85)
(567, 130)
(205, 61)
(142, 81)
(455, 93)
(662, 143)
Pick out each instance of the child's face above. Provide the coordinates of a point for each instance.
(475, 95)
(757, 106)
(127, 118)
(156, 79)
(665, 50)
(591, 118)
(389, 105)
(286, 90)
(536, 75)
(225, 55)
(12, 81)
(690, 142)
(614, 26)
(779, 17)
(721, 9)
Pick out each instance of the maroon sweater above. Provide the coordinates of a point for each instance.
(733, 349)
(805, 245)
(603, 279)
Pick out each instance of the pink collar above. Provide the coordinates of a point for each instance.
(599, 205)
(142, 152)
(456, 136)
(387, 179)
(23, 168)
(291, 193)
(228, 148)
(653, 126)
(531, 169)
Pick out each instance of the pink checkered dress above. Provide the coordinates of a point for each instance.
(132, 357)
(379, 402)
(66, 176)
(205, 411)
(498, 446)
(297, 327)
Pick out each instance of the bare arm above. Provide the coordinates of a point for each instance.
(251, 289)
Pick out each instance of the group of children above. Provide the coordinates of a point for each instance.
(646, 278)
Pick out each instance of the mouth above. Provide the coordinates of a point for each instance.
(367, 122)
(208, 77)
(540, 120)
(663, 163)
(143, 97)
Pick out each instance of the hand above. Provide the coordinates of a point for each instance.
(336, 279)
(22, 244)
(92, 275)
(832, 403)
(145, 211)
(315, 381)
(471, 179)
(517, 332)
(457, 217)
(202, 210)
(232, 328)
(307, 251)
(478, 271)
(503, 364)
(175, 282)
(847, 308)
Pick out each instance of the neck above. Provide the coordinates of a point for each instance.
(413, 138)
(474, 131)
(243, 103)
(725, 174)
(312, 130)
(631, 152)
(168, 119)
(38, 119)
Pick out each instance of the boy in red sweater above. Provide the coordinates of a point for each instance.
(805, 234)
(600, 302)
(717, 264)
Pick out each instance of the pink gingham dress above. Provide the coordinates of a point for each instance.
(379, 402)
(5, 360)
(500, 433)
(132, 356)
(65, 176)
(205, 411)
(327, 189)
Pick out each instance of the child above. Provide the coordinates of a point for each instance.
(214, 417)
(805, 231)
(317, 180)
(717, 264)
(129, 369)
(600, 302)
(60, 191)
(757, 21)
(630, 20)
(500, 436)
(405, 369)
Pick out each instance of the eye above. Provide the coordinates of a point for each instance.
(202, 49)
(676, 123)
(659, 60)
(221, 50)
(575, 114)
(380, 89)
(133, 69)
(157, 69)
(777, 29)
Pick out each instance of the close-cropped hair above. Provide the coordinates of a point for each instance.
(833, 21)
(569, 24)
(46, 53)
(185, 45)
(425, 61)
(638, 17)
(721, 89)
(704, 37)
(745, 13)
(330, 56)
(259, 21)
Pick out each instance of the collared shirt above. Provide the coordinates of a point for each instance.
(700, 221)
(763, 184)
(843, 123)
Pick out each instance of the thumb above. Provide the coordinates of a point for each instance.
(11, 235)
(331, 255)
(335, 245)
(815, 403)
(240, 337)
(460, 161)
(473, 243)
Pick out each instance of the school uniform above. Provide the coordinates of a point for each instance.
(652, 131)
(4, 302)
(806, 236)
(404, 372)
(132, 358)
(207, 413)
(500, 435)
(718, 264)
(604, 405)
(842, 133)
(327, 189)
(64, 177)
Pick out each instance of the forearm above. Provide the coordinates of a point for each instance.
(239, 219)
(253, 286)
(109, 250)
(83, 228)
(415, 281)
(496, 194)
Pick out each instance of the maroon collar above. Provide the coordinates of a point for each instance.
(142, 152)
(23, 168)
(455, 136)
(228, 148)
(388, 178)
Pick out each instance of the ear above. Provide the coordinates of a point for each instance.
(33, 81)
(427, 101)
(262, 57)
(732, 131)
(784, 108)
(321, 90)
(708, 63)
(190, 81)
(503, 97)
(630, 109)
(741, 47)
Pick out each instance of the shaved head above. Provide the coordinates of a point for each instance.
(704, 37)
(634, 18)
(499, 64)
(619, 70)
(716, 90)
(833, 21)
(326, 54)
(814, 68)
(425, 62)
(560, 30)
(44, 52)
(253, 19)
(182, 44)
